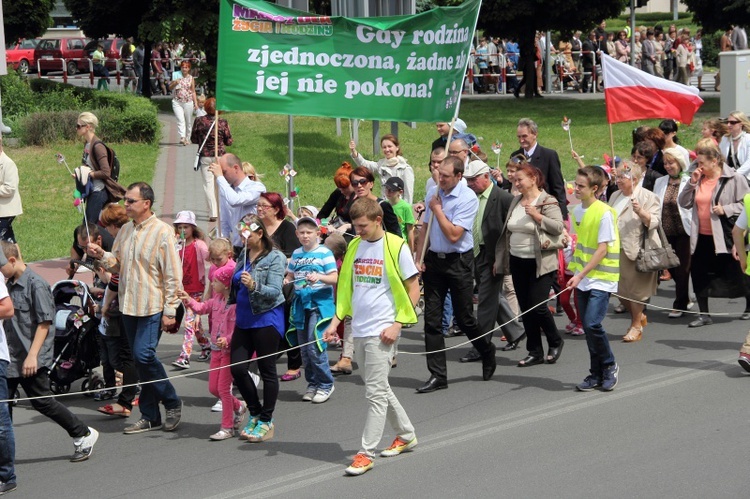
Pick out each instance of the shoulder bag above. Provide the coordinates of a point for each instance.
(654, 259)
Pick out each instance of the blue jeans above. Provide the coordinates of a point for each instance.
(592, 307)
(317, 371)
(7, 440)
(143, 335)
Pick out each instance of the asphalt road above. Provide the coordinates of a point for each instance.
(672, 428)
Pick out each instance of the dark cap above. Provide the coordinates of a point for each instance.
(394, 184)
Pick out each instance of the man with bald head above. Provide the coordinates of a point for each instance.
(238, 195)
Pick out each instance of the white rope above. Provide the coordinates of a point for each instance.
(650, 305)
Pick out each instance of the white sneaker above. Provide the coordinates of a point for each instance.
(322, 395)
(675, 314)
(217, 407)
(309, 394)
(84, 446)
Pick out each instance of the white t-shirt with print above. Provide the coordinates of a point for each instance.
(373, 306)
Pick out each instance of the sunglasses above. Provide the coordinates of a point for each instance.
(131, 200)
(79, 126)
(732, 122)
(359, 182)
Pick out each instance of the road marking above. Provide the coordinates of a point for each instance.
(295, 481)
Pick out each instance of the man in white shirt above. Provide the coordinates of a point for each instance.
(238, 195)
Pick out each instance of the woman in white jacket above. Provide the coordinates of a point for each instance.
(676, 221)
(735, 145)
(10, 198)
(392, 165)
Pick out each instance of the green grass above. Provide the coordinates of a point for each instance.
(45, 230)
(318, 152)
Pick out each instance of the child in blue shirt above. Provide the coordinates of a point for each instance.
(312, 268)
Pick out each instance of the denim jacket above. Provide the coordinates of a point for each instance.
(268, 274)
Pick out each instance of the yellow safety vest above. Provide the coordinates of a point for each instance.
(588, 241)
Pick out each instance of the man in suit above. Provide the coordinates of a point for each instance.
(545, 159)
(492, 306)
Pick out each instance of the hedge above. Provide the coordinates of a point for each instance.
(43, 111)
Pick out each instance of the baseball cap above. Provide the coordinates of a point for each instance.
(307, 219)
(476, 168)
(394, 184)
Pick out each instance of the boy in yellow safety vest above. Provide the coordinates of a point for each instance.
(596, 269)
(378, 289)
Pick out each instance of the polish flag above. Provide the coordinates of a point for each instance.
(631, 94)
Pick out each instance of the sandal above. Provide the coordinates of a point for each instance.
(109, 410)
(644, 320)
(634, 334)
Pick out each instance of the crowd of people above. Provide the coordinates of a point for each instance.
(352, 272)
(668, 52)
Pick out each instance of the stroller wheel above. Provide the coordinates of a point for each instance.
(54, 388)
(63, 388)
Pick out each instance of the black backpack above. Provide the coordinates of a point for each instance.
(114, 163)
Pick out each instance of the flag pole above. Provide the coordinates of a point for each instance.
(612, 144)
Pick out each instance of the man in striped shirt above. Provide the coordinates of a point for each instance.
(145, 256)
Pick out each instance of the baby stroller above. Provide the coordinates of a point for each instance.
(567, 76)
(76, 353)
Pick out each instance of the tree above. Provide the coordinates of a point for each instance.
(26, 18)
(716, 15)
(521, 19)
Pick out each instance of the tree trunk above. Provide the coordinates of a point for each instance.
(527, 48)
(146, 85)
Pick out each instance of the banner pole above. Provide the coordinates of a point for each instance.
(216, 185)
(426, 241)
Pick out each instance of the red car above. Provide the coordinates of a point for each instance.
(49, 51)
(21, 55)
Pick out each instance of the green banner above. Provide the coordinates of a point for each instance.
(402, 68)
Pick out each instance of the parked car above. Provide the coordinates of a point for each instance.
(21, 55)
(70, 49)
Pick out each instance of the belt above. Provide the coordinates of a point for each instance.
(448, 256)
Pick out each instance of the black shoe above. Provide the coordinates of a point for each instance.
(7, 487)
(530, 360)
(512, 345)
(472, 356)
(516, 94)
(432, 385)
(489, 363)
(554, 352)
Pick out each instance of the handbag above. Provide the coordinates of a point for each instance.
(550, 242)
(654, 259)
(197, 162)
(727, 222)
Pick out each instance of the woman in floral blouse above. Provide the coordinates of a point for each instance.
(184, 102)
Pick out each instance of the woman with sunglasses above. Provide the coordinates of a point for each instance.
(184, 101)
(104, 188)
(256, 289)
(735, 145)
(362, 181)
(283, 234)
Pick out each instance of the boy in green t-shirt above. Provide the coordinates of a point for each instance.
(394, 189)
